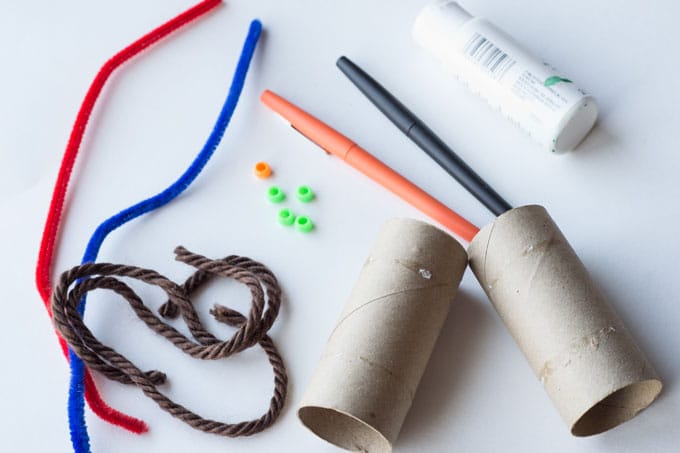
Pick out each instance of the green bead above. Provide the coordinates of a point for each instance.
(304, 224)
(304, 194)
(275, 194)
(286, 217)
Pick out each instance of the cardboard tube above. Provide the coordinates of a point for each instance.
(576, 344)
(368, 374)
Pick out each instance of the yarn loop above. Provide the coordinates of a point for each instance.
(252, 328)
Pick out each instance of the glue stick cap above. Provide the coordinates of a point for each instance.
(437, 19)
(440, 14)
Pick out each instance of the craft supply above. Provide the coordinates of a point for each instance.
(275, 194)
(304, 224)
(423, 136)
(79, 436)
(286, 217)
(589, 364)
(49, 243)
(262, 170)
(304, 194)
(337, 144)
(528, 91)
(266, 300)
(367, 376)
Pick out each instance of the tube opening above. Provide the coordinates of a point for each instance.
(618, 407)
(343, 430)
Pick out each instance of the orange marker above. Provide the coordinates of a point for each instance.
(337, 144)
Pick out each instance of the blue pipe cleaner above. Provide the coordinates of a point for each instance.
(76, 399)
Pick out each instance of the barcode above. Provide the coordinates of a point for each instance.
(488, 56)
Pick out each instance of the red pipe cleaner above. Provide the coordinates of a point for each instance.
(49, 241)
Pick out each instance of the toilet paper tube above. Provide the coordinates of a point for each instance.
(576, 344)
(365, 381)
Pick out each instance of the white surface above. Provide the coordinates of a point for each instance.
(615, 199)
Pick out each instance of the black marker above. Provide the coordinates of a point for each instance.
(422, 136)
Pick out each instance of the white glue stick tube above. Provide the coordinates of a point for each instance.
(528, 91)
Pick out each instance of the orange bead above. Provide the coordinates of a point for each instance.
(263, 170)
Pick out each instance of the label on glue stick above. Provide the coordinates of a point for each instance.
(534, 95)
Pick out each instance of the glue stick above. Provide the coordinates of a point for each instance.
(528, 91)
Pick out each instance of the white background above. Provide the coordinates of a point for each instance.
(616, 199)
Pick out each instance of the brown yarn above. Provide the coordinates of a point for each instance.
(251, 329)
